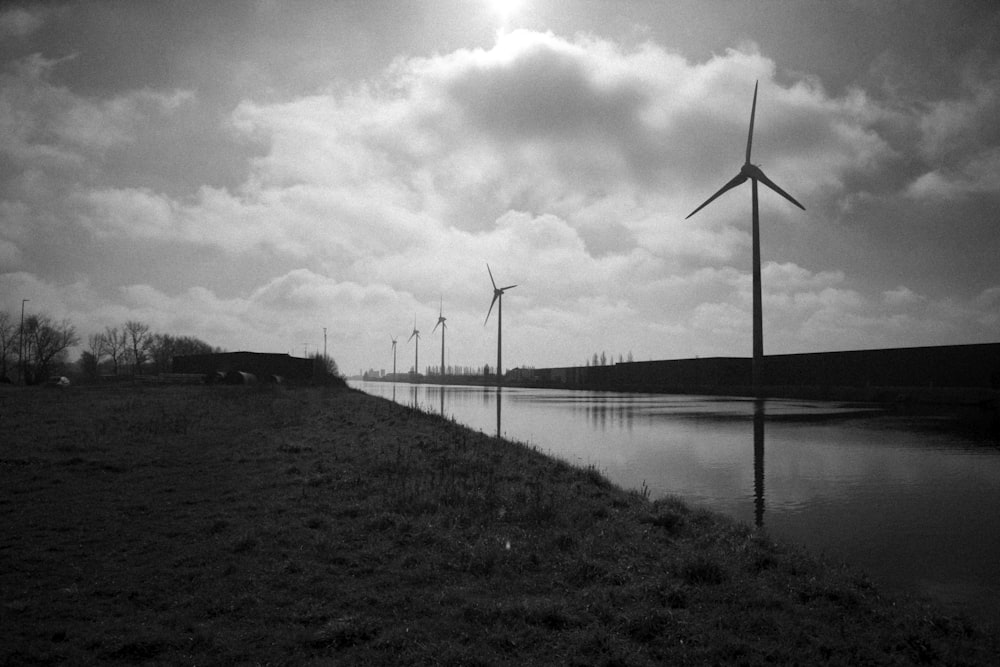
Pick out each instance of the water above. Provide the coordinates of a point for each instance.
(910, 500)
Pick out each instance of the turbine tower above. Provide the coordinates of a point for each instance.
(416, 347)
(393, 358)
(441, 319)
(497, 297)
(753, 172)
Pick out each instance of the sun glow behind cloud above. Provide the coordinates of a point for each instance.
(505, 11)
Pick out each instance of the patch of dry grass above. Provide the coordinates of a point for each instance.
(264, 525)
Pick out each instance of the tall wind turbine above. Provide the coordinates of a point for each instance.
(440, 322)
(753, 172)
(393, 357)
(416, 347)
(497, 297)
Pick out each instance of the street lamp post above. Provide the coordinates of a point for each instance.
(20, 344)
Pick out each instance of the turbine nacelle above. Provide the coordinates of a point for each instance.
(441, 317)
(748, 171)
(497, 293)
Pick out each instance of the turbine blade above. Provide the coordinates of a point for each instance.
(736, 180)
(769, 183)
(411, 336)
(753, 111)
(435, 327)
(504, 289)
(496, 296)
(491, 277)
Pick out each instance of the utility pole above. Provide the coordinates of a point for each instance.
(20, 345)
(324, 343)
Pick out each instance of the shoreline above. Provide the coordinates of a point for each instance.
(220, 524)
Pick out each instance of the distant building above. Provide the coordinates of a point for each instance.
(263, 365)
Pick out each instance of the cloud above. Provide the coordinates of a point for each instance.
(543, 125)
(978, 174)
(568, 164)
(959, 142)
(46, 125)
(10, 255)
(19, 22)
(952, 126)
(902, 296)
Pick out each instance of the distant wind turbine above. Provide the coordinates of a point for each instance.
(753, 172)
(497, 297)
(393, 357)
(440, 322)
(416, 348)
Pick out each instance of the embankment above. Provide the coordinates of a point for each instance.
(193, 524)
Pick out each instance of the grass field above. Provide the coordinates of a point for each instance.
(265, 525)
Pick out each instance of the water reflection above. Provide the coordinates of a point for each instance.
(758, 463)
(602, 410)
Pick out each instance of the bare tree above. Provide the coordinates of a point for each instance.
(8, 341)
(161, 349)
(164, 347)
(46, 342)
(137, 339)
(115, 345)
(88, 365)
(90, 360)
(96, 346)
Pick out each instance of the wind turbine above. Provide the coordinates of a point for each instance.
(440, 322)
(393, 358)
(497, 297)
(416, 348)
(753, 172)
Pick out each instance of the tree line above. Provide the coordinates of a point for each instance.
(31, 351)
(604, 359)
(133, 348)
(39, 350)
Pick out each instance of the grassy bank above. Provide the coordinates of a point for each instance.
(262, 525)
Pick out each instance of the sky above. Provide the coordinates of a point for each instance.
(252, 173)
